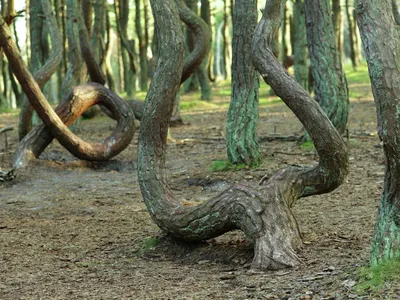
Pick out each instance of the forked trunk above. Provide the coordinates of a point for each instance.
(262, 212)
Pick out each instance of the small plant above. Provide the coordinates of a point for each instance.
(147, 244)
(307, 146)
(225, 165)
(376, 278)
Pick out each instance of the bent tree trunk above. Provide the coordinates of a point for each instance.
(380, 36)
(44, 73)
(78, 147)
(330, 83)
(241, 127)
(262, 212)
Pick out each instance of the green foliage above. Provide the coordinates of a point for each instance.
(377, 278)
(225, 165)
(6, 109)
(196, 105)
(147, 244)
(307, 146)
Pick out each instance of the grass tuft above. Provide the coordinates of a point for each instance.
(225, 165)
(376, 278)
(147, 244)
(307, 146)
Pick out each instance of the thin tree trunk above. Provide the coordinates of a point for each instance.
(300, 46)
(241, 127)
(142, 48)
(330, 82)
(353, 57)
(380, 36)
(337, 24)
(45, 72)
(202, 72)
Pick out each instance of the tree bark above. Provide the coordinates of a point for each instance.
(337, 25)
(262, 213)
(242, 146)
(300, 45)
(79, 148)
(43, 73)
(142, 47)
(330, 82)
(380, 36)
(353, 55)
(202, 72)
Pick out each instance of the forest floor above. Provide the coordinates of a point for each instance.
(77, 230)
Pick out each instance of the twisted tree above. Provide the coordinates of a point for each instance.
(261, 211)
(380, 36)
(111, 146)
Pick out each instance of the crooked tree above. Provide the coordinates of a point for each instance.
(261, 211)
(381, 42)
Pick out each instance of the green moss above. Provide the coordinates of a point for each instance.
(307, 146)
(225, 165)
(379, 277)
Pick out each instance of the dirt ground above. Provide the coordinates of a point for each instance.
(76, 230)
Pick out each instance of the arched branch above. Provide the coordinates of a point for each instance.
(79, 148)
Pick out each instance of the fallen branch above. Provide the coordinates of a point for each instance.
(289, 138)
(6, 129)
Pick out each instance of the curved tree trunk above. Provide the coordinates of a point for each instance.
(330, 83)
(43, 74)
(380, 36)
(263, 213)
(79, 148)
(241, 127)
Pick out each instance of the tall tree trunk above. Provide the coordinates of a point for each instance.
(127, 69)
(330, 82)
(87, 12)
(380, 36)
(202, 72)
(300, 46)
(263, 213)
(142, 47)
(241, 127)
(43, 74)
(76, 73)
(192, 83)
(353, 45)
(337, 25)
(395, 10)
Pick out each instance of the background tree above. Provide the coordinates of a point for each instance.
(380, 36)
(300, 52)
(241, 126)
(330, 83)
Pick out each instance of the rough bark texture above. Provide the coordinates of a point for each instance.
(241, 127)
(262, 213)
(87, 11)
(330, 83)
(395, 11)
(79, 148)
(42, 72)
(380, 36)
(300, 45)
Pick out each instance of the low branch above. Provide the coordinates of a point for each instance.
(6, 129)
